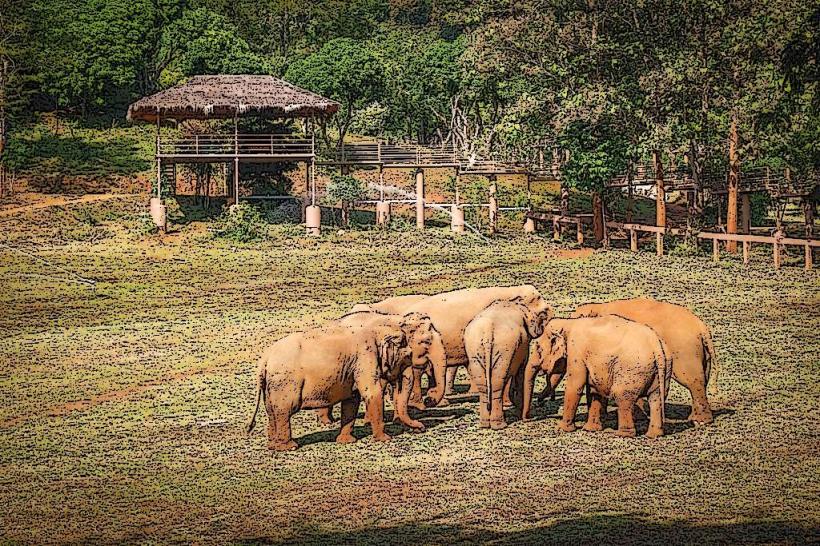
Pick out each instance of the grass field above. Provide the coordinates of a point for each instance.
(123, 406)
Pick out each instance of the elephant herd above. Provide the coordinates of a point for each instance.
(625, 351)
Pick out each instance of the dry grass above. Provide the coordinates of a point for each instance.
(123, 406)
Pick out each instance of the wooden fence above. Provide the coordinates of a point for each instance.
(777, 241)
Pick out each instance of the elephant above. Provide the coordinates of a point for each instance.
(394, 305)
(685, 336)
(612, 356)
(450, 312)
(345, 361)
(497, 341)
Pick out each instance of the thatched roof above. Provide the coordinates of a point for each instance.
(223, 96)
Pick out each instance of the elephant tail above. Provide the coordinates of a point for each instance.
(261, 380)
(712, 365)
(488, 370)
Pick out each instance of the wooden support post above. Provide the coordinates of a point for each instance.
(715, 250)
(776, 253)
(747, 246)
(809, 256)
(597, 217)
(633, 240)
(732, 187)
(659, 243)
(579, 233)
(493, 205)
(159, 178)
(660, 197)
(419, 199)
(236, 180)
(556, 229)
(745, 214)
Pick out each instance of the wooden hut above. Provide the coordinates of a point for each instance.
(229, 97)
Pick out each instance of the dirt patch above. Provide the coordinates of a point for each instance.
(43, 201)
(572, 253)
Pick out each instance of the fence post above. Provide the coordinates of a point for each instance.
(776, 253)
(659, 243)
(556, 228)
(809, 256)
(715, 250)
(746, 247)
(419, 199)
(633, 240)
(579, 234)
(493, 201)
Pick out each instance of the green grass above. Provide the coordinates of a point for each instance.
(164, 350)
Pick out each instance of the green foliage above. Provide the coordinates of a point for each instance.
(242, 223)
(596, 155)
(345, 188)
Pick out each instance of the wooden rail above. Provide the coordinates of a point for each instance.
(222, 146)
(776, 241)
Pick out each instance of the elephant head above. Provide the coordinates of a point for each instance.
(549, 355)
(426, 349)
(537, 313)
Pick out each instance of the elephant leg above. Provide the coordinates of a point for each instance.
(350, 407)
(655, 415)
(401, 397)
(477, 376)
(701, 413)
(282, 440)
(450, 384)
(517, 390)
(597, 409)
(572, 396)
(508, 403)
(554, 380)
(626, 421)
(501, 385)
(374, 411)
(325, 415)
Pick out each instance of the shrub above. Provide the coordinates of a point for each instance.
(241, 223)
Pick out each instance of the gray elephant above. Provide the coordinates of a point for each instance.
(615, 357)
(347, 360)
(497, 341)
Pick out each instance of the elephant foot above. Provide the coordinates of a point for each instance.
(473, 391)
(654, 432)
(325, 420)
(564, 426)
(498, 425)
(483, 423)
(279, 446)
(625, 432)
(701, 418)
(414, 425)
(383, 437)
(430, 403)
(508, 404)
(593, 427)
(345, 439)
(418, 405)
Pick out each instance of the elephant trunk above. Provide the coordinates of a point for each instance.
(530, 373)
(438, 362)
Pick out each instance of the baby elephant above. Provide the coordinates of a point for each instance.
(616, 357)
(345, 361)
(497, 343)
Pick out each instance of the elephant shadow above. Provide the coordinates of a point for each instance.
(431, 419)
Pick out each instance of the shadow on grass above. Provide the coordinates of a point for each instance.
(588, 529)
(430, 418)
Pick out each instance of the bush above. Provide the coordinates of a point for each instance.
(241, 223)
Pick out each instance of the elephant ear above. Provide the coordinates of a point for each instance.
(558, 346)
(390, 354)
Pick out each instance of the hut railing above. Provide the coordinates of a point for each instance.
(240, 145)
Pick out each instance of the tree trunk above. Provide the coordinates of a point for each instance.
(345, 214)
(660, 189)
(597, 217)
(732, 186)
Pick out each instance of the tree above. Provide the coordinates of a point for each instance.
(347, 190)
(345, 70)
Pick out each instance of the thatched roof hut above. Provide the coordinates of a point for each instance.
(225, 96)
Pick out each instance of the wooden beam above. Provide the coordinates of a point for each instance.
(733, 183)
